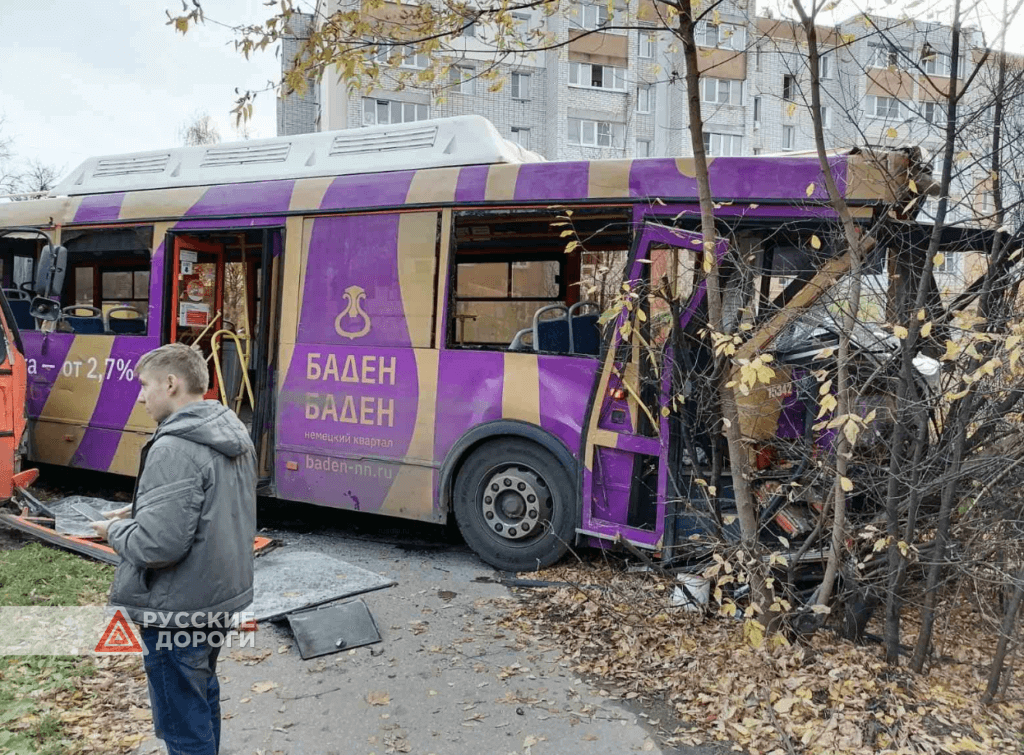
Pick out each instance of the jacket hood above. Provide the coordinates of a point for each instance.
(209, 423)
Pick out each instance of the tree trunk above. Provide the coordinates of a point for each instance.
(738, 462)
(1005, 633)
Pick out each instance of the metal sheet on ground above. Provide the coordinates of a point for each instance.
(287, 581)
(71, 521)
(331, 629)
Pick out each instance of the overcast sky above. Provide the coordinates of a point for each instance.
(80, 78)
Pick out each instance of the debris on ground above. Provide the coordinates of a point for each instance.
(814, 694)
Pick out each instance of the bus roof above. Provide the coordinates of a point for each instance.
(443, 142)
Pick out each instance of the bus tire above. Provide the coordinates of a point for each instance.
(515, 505)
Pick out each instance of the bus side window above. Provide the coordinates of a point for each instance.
(523, 281)
(17, 273)
(107, 287)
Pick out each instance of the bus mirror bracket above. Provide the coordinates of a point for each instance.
(53, 264)
(45, 309)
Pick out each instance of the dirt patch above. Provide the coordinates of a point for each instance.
(11, 539)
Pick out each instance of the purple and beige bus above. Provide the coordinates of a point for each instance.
(409, 317)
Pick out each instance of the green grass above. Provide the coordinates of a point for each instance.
(36, 575)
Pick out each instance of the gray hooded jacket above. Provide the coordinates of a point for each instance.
(187, 548)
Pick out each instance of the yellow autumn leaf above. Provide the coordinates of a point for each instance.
(753, 633)
(815, 241)
(899, 331)
(926, 330)
(913, 186)
(791, 109)
(846, 484)
(891, 133)
(938, 259)
(810, 188)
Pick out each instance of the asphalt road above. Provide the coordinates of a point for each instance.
(447, 678)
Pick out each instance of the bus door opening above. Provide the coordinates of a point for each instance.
(628, 439)
(220, 294)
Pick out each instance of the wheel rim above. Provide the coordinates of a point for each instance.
(514, 502)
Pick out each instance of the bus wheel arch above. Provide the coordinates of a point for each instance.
(514, 495)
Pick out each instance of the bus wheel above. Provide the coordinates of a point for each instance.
(514, 504)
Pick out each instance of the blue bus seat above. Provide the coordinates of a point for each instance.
(21, 309)
(586, 336)
(552, 334)
(90, 323)
(132, 324)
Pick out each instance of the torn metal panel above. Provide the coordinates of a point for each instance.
(322, 631)
(290, 581)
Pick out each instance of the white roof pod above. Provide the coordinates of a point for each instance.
(444, 142)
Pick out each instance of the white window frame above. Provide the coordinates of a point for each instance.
(646, 150)
(518, 83)
(712, 86)
(418, 111)
(722, 145)
(826, 118)
(647, 45)
(644, 98)
(591, 16)
(723, 36)
(590, 133)
(935, 107)
(950, 262)
(517, 136)
(521, 21)
(757, 112)
(825, 65)
(788, 135)
(791, 97)
(886, 56)
(462, 80)
(873, 111)
(936, 63)
(584, 72)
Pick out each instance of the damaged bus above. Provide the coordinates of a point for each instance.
(424, 320)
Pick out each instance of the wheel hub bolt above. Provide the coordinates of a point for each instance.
(531, 498)
(512, 531)
(498, 527)
(490, 515)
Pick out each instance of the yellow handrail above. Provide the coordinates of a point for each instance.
(243, 359)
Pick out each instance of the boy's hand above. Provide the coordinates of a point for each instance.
(100, 528)
(122, 513)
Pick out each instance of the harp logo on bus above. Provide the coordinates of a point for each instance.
(353, 322)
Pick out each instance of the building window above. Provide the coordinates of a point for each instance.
(825, 66)
(597, 77)
(826, 117)
(757, 58)
(462, 80)
(643, 148)
(409, 58)
(788, 87)
(936, 63)
(883, 107)
(592, 16)
(595, 133)
(934, 113)
(950, 262)
(723, 145)
(644, 98)
(380, 112)
(884, 56)
(646, 44)
(520, 86)
(788, 137)
(521, 22)
(758, 150)
(521, 136)
(724, 36)
(722, 91)
(469, 31)
(757, 112)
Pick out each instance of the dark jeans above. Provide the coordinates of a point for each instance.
(183, 690)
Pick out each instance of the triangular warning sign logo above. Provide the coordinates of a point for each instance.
(119, 637)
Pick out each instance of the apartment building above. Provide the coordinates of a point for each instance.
(619, 93)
